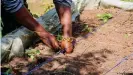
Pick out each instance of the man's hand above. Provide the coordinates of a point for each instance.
(49, 40)
(24, 17)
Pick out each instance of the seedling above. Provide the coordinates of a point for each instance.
(32, 53)
(105, 17)
(87, 28)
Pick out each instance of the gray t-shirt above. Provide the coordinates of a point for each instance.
(12, 6)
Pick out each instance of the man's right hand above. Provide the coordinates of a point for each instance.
(49, 40)
(24, 17)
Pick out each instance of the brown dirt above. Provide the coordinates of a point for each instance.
(39, 7)
(99, 51)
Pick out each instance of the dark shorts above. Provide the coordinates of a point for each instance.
(63, 2)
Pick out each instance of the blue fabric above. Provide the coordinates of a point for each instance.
(63, 2)
(12, 6)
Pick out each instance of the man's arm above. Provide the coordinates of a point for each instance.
(63, 8)
(22, 15)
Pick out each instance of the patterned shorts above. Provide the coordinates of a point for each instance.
(63, 2)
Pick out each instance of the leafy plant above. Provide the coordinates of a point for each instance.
(32, 53)
(87, 28)
(105, 17)
(127, 0)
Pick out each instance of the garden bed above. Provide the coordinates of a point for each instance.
(99, 47)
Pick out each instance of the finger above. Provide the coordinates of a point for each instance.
(46, 42)
(55, 43)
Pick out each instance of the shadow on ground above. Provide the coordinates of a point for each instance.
(84, 64)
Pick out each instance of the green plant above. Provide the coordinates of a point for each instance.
(127, 0)
(87, 28)
(32, 53)
(105, 17)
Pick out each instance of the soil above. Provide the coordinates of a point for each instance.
(96, 52)
(39, 7)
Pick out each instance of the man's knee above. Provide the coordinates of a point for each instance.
(63, 2)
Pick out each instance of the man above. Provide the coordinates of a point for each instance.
(22, 15)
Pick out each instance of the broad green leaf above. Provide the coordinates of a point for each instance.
(105, 17)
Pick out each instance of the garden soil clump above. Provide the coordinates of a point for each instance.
(96, 52)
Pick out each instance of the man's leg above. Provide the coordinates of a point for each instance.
(65, 19)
